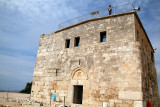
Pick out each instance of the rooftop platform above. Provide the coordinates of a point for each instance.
(98, 18)
(116, 10)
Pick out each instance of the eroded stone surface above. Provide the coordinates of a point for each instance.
(120, 71)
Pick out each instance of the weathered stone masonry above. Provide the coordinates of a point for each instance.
(119, 71)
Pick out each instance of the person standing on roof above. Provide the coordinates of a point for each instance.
(110, 10)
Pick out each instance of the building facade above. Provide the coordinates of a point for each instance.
(98, 62)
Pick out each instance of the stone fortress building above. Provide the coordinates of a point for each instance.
(107, 61)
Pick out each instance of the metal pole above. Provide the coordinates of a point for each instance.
(50, 98)
(7, 94)
(64, 101)
(50, 101)
(114, 104)
(133, 7)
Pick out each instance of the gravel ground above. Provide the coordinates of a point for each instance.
(21, 100)
(15, 95)
(14, 99)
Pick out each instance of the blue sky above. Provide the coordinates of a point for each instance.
(23, 21)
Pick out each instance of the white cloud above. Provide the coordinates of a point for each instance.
(38, 8)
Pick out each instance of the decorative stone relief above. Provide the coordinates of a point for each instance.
(79, 74)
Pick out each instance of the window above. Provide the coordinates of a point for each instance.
(78, 94)
(103, 36)
(67, 43)
(76, 42)
(56, 72)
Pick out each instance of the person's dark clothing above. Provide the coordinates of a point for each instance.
(110, 10)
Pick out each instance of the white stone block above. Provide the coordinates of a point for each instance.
(102, 91)
(37, 73)
(102, 84)
(138, 103)
(104, 104)
(130, 95)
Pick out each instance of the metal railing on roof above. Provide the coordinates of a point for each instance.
(97, 14)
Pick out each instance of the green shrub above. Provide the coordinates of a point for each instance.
(27, 89)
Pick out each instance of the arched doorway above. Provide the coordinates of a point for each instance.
(78, 80)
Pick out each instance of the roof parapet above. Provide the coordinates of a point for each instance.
(97, 14)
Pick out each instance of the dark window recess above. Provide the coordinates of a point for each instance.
(78, 94)
(77, 40)
(79, 61)
(57, 72)
(67, 43)
(102, 36)
(137, 35)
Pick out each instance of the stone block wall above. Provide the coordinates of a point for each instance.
(110, 71)
(149, 73)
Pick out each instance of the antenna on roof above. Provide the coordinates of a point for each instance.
(135, 9)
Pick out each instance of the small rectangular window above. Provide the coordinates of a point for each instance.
(103, 36)
(67, 43)
(77, 40)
